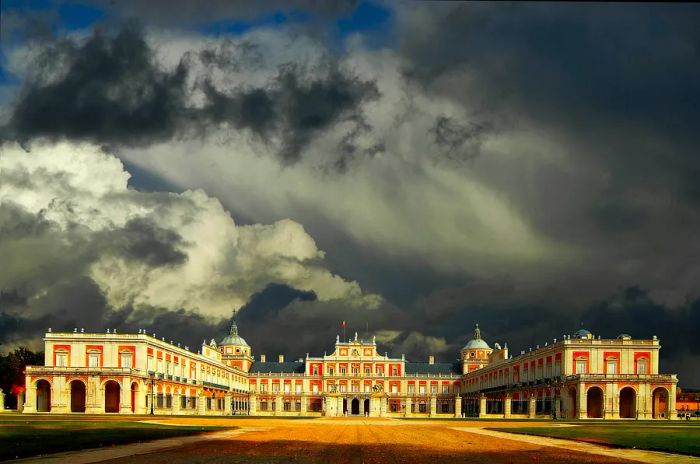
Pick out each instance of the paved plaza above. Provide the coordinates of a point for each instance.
(355, 440)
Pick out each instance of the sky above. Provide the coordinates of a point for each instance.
(412, 168)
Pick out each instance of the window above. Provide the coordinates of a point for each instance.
(445, 389)
(330, 371)
(160, 365)
(433, 389)
(343, 388)
(263, 387)
(368, 388)
(149, 363)
(94, 359)
(298, 388)
(380, 370)
(167, 367)
(611, 366)
(367, 370)
(394, 388)
(315, 389)
(126, 359)
(354, 370)
(355, 387)
(275, 387)
(315, 370)
(642, 366)
(287, 388)
(62, 359)
(421, 389)
(342, 371)
(394, 371)
(580, 366)
(411, 389)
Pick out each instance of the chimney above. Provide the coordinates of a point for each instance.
(431, 359)
(262, 358)
(281, 358)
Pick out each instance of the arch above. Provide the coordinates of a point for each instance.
(573, 401)
(628, 403)
(134, 393)
(77, 396)
(594, 403)
(112, 396)
(43, 396)
(366, 406)
(355, 407)
(659, 403)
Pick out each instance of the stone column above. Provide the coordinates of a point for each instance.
(177, 403)
(458, 406)
(556, 404)
(94, 396)
(482, 405)
(30, 399)
(582, 401)
(340, 405)
(253, 402)
(304, 404)
(278, 405)
(407, 413)
(433, 406)
(507, 405)
(201, 404)
(531, 406)
(383, 406)
(672, 413)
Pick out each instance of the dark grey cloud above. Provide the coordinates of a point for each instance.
(111, 90)
(270, 301)
(296, 106)
(143, 240)
(456, 140)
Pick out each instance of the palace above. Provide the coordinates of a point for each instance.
(579, 376)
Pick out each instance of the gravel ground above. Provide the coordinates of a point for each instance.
(358, 441)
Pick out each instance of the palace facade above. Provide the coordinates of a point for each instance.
(579, 376)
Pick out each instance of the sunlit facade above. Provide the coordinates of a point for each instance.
(579, 376)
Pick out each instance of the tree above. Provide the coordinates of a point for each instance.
(12, 367)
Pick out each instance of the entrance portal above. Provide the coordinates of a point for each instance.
(659, 404)
(628, 403)
(111, 396)
(43, 396)
(355, 407)
(594, 403)
(134, 391)
(77, 396)
(366, 410)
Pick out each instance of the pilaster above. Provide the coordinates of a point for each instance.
(253, 404)
(30, 399)
(407, 412)
(278, 405)
(507, 405)
(482, 406)
(458, 406)
(531, 406)
(176, 403)
(304, 404)
(433, 405)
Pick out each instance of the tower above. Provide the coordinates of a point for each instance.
(235, 350)
(475, 354)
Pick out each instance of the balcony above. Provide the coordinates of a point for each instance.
(628, 377)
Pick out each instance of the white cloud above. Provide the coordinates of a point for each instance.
(82, 190)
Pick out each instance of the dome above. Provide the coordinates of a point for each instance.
(233, 338)
(477, 342)
(583, 333)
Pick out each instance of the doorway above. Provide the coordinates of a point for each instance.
(366, 408)
(355, 407)
(77, 396)
(111, 396)
(43, 396)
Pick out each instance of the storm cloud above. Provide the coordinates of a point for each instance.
(530, 167)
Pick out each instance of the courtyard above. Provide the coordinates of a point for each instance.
(340, 440)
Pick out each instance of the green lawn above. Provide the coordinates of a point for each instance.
(674, 439)
(32, 437)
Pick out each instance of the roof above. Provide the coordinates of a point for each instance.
(233, 338)
(433, 369)
(476, 343)
(290, 367)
